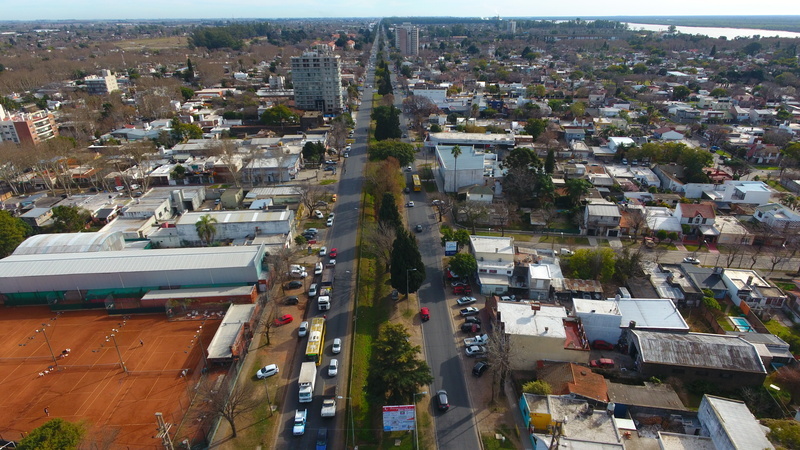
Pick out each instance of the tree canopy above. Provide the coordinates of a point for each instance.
(279, 115)
(206, 229)
(387, 122)
(70, 219)
(396, 371)
(388, 213)
(463, 264)
(403, 152)
(55, 434)
(593, 264)
(407, 268)
(12, 232)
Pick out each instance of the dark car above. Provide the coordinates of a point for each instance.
(418, 228)
(330, 168)
(322, 439)
(468, 327)
(424, 314)
(472, 319)
(602, 345)
(294, 285)
(291, 300)
(443, 403)
(479, 368)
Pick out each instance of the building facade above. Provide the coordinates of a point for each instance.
(317, 79)
(407, 39)
(27, 128)
(101, 85)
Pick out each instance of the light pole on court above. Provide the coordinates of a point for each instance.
(47, 340)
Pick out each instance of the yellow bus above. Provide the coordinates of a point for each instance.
(316, 340)
(417, 184)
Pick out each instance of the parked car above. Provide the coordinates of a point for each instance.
(334, 251)
(312, 290)
(472, 319)
(691, 260)
(322, 439)
(409, 169)
(602, 345)
(443, 403)
(336, 348)
(477, 340)
(299, 427)
(462, 290)
(329, 223)
(294, 285)
(407, 190)
(424, 314)
(329, 169)
(331, 162)
(479, 368)
(267, 371)
(333, 367)
(602, 363)
(469, 327)
(303, 330)
(332, 262)
(476, 350)
(318, 268)
(466, 300)
(318, 214)
(291, 300)
(323, 251)
(284, 319)
(331, 215)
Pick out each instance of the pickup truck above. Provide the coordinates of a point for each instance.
(477, 340)
(329, 401)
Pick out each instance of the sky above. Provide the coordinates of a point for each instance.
(266, 9)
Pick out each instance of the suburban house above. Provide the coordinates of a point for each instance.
(699, 218)
(732, 191)
(615, 143)
(730, 424)
(729, 362)
(670, 176)
(495, 257)
(668, 134)
(539, 332)
(778, 218)
(480, 193)
(601, 219)
(572, 379)
(579, 424)
(749, 287)
(609, 320)
(761, 153)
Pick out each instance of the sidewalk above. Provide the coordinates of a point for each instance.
(518, 421)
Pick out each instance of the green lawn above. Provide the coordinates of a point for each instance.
(774, 184)
(603, 243)
(490, 441)
(517, 237)
(326, 182)
(570, 240)
(696, 248)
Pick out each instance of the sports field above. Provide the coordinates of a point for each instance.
(88, 382)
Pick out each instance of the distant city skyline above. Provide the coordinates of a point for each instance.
(235, 9)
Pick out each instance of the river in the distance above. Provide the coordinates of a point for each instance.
(715, 32)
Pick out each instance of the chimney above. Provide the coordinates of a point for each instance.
(632, 324)
(749, 280)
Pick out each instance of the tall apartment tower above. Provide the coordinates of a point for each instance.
(512, 26)
(27, 128)
(104, 84)
(317, 80)
(406, 39)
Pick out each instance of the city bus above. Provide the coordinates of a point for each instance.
(417, 183)
(316, 340)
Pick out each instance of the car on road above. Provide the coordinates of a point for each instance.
(442, 402)
(332, 262)
(303, 330)
(479, 368)
(267, 371)
(322, 439)
(333, 367)
(312, 290)
(318, 214)
(418, 228)
(470, 311)
(293, 300)
(334, 251)
(602, 363)
(333, 199)
(329, 223)
(318, 268)
(475, 350)
(336, 348)
(424, 314)
(329, 169)
(409, 169)
(602, 345)
(284, 319)
(294, 285)
(691, 260)
(323, 251)
(299, 427)
(407, 190)
(466, 300)
(410, 204)
(346, 154)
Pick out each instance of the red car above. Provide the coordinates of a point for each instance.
(334, 251)
(602, 345)
(424, 314)
(284, 319)
(462, 290)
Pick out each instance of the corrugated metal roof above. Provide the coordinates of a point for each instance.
(713, 351)
(71, 243)
(225, 337)
(603, 210)
(129, 261)
(198, 292)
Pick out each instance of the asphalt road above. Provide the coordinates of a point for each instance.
(339, 319)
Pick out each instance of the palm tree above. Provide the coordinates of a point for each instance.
(206, 228)
(456, 152)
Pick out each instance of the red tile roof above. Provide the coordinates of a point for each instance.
(568, 378)
(705, 210)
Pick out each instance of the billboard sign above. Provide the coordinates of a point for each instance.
(450, 248)
(399, 418)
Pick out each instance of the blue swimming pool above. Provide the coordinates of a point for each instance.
(741, 324)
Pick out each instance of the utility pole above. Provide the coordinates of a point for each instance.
(163, 432)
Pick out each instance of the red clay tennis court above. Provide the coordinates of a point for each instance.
(87, 381)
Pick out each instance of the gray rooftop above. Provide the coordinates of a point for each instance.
(225, 337)
(650, 395)
(71, 243)
(198, 292)
(738, 422)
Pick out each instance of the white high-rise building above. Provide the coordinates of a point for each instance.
(317, 80)
(104, 84)
(406, 38)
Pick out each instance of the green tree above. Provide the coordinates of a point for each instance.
(279, 115)
(70, 219)
(12, 232)
(186, 93)
(550, 161)
(396, 371)
(188, 74)
(435, 128)
(463, 264)
(180, 131)
(407, 268)
(593, 264)
(387, 122)
(206, 229)
(538, 387)
(178, 173)
(313, 151)
(785, 432)
(403, 152)
(578, 109)
(456, 152)
(661, 234)
(576, 188)
(535, 127)
(388, 213)
(681, 92)
(719, 92)
(55, 434)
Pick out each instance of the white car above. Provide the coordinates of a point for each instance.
(299, 427)
(333, 368)
(337, 346)
(475, 350)
(332, 262)
(318, 268)
(410, 204)
(466, 300)
(323, 251)
(691, 260)
(267, 371)
(303, 330)
(312, 290)
(318, 214)
(331, 216)
(329, 223)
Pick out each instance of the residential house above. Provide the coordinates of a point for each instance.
(670, 176)
(609, 320)
(731, 425)
(668, 134)
(615, 143)
(580, 425)
(726, 361)
(572, 379)
(747, 286)
(732, 232)
(699, 218)
(480, 193)
(761, 153)
(601, 219)
(733, 191)
(762, 116)
(779, 218)
(739, 114)
(495, 258)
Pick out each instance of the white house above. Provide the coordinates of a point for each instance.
(730, 424)
(455, 173)
(237, 225)
(614, 143)
(609, 319)
(778, 217)
(731, 191)
(749, 287)
(495, 258)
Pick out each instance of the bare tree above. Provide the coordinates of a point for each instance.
(310, 195)
(443, 202)
(735, 251)
(499, 354)
(139, 153)
(271, 311)
(229, 401)
(777, 255)
(337, 136)
(419, 109)
(755, 253)
(474, 212)
(502, 215)
(716, 135)
(380, 240)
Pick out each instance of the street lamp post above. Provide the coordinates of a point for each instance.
(408, 294)
(200, 343)
(416, 433)
(352, 423)
(47, 340)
